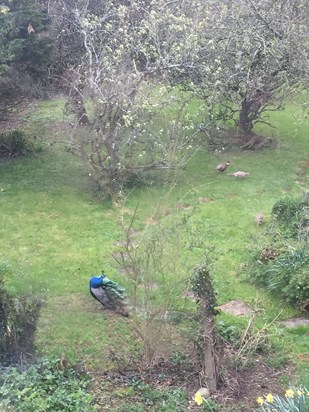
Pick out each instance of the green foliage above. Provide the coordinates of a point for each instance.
(15, 143)
(159, 400)
(287, 275)
(277, 360)
(28, 51)
(229, 333)
(202, 286)
(180, 360)
(295, 400)
(210, 406)
(283, 267)
(51, 226)
(18, 317)
(25, 55)
(44, 387)
(292, 215)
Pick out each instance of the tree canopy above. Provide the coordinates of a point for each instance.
(120, 63)
(251, 57)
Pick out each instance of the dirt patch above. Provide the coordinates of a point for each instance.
(205, 199)
(231, 196)
(295, 322)
(183, 206)
(243, 387)
(165, 212)
(237, 308)
(237, 391)
(300, 172)
(151, 221)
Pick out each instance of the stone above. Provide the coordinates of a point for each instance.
(204, 392)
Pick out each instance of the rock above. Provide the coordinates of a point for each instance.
(204, 392)
(237, 307)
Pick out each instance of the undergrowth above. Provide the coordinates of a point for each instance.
(281, 261)
(44, 387)
(16, 143)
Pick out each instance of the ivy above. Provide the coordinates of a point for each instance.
(44, 387)
(202, 286)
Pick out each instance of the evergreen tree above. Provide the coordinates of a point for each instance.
(25, 50)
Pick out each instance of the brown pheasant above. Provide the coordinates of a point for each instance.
(259, 218)
(239, 174)
(223, 166)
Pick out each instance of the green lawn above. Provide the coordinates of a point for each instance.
(55, 233)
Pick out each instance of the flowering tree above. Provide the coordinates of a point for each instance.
(252, 56)
(125, 51)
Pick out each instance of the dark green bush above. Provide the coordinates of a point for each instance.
(288, 275)
(281, 263)
(292, 215)
(18, 317)
(16, 143)
(44, 387)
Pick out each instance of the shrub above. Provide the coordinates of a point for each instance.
(285, 275)
(292, 215)
(16, 143)
(18, 317)
(44, 387)
(163, 400)
(229, 333)
(281, 262)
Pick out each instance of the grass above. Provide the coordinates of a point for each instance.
(56, 233)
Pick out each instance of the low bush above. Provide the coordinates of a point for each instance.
(229, 333)
(286, 275)
(18, 317)
(162, 400)
(281, 262)
(16, 143)
(44, 387)
(292, 216)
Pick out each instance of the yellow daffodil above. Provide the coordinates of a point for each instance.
(198, 398)
(299, 393)
(260, 401)
(289, 393)
(269, 398)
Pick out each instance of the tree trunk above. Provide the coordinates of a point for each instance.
(210, 368)
(79, 110)
(249, 112)
(77, 104)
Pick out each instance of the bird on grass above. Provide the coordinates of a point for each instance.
(223, 166)
(239, 174)
(259, 218)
